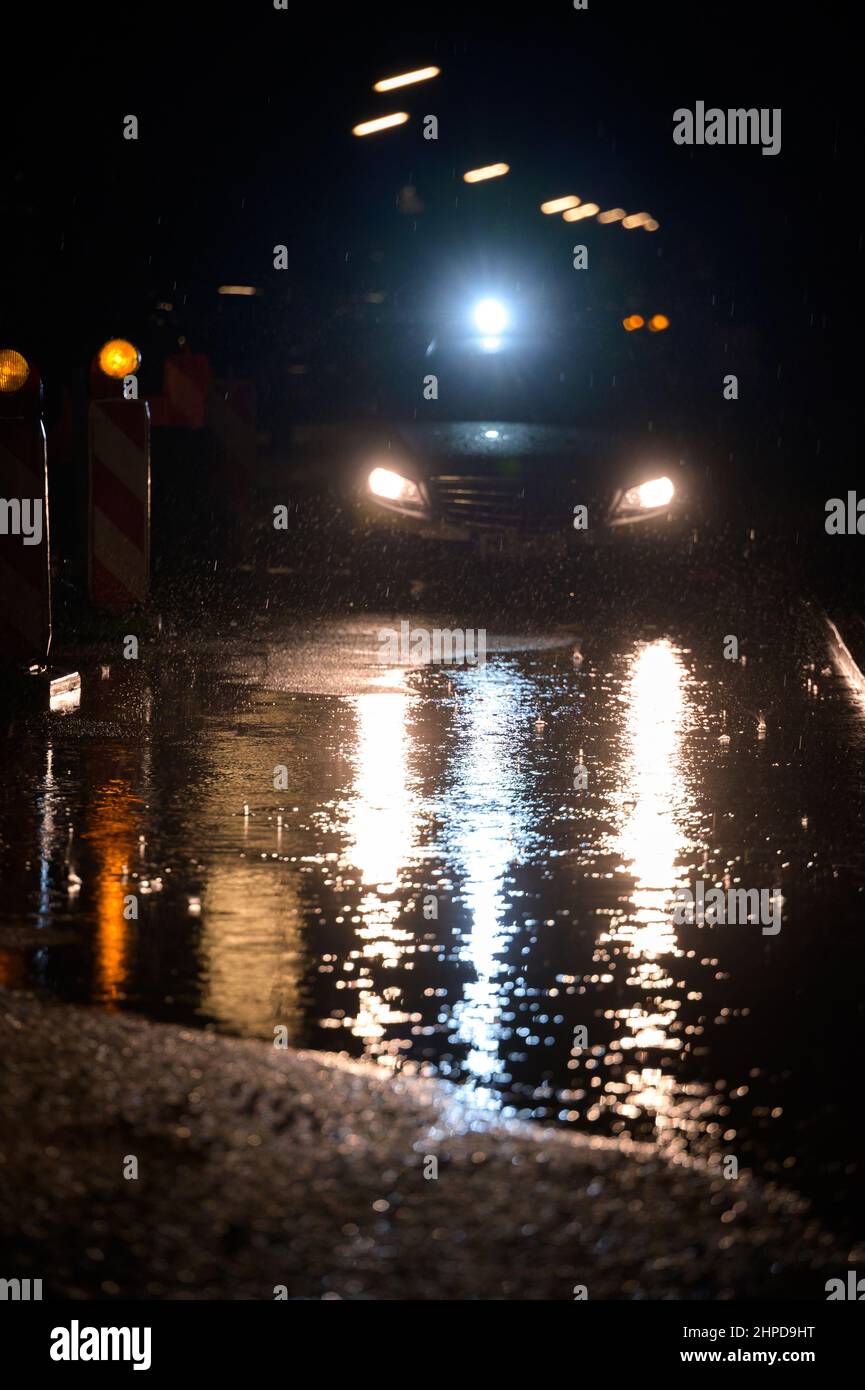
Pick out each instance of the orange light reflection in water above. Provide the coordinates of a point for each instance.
(113, 832)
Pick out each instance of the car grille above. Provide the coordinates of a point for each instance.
(465, 500)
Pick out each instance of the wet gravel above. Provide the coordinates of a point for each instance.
(262, 1168)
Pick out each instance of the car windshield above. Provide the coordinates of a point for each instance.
(493, 379)
(391, 374)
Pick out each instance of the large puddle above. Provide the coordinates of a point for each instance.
(473, 873)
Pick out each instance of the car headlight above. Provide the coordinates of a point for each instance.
(395, 488)
(645, 497)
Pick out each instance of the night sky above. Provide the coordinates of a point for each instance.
(245, 117)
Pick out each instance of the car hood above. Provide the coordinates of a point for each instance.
(580, 454)
(498, 440)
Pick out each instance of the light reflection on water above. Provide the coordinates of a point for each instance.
(380, 840)
(653, 840)
(111, 833)
(487, 819)
(313, 911)
(381, 826)
(487, 827)
(482, 827)
(252, 949)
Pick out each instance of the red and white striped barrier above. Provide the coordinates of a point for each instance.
(25, 563)
(119, 550)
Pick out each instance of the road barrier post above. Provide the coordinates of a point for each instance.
(25, 556)
(119, 464)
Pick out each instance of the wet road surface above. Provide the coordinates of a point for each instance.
(265, 1173)
(453, 872)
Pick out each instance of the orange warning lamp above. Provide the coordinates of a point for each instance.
(14, 371)
(119, 358)
(20, 386)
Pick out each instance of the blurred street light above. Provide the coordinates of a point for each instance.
(405, 79)
(489, 171)
(381, 123)
(577, 214)
(560, 204)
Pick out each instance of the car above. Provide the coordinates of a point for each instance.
(503, 429)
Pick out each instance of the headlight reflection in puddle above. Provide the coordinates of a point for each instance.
(487, 822)
(653, 841)
(382, 840)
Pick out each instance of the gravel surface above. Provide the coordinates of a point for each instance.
(262, 1167)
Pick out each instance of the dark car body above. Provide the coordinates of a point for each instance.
(527, 445)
